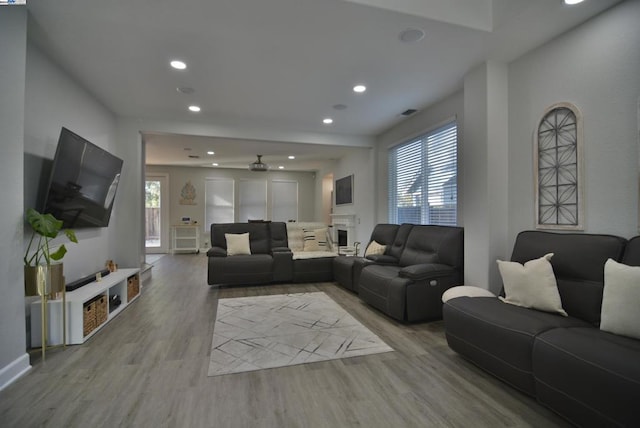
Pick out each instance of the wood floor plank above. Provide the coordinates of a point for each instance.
(148, 367)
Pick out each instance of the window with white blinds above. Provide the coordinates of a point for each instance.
(423, 179)
(219, 200)
(252, 200)
(284, 200)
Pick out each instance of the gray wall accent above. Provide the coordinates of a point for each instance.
(54, 100)
(596, 67)
(485, 173)
(13, 44)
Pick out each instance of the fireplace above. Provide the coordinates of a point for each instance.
(343, 237)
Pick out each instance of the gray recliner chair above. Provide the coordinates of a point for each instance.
(429, 261)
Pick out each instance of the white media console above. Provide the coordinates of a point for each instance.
(124, 283)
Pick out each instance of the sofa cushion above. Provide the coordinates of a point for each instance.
(425, 271)
(374, 249)
(237, 244)
(589, 376)
(499, 337)
(532, 285)
(621, 299)
(433, 244)
(578, 263)
(259, 235)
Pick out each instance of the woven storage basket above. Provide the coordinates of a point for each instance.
(133, 287)
(102, 309)
(88, 317)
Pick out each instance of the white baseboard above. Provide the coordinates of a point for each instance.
(12, 371)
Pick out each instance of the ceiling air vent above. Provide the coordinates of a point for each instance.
(408, 112)
(194, 156)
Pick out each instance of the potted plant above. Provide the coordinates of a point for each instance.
(41, 275)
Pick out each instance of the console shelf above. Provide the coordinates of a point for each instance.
(80, 303)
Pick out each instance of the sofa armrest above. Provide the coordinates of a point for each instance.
(425, 271)
(383, 259)
(217, 252)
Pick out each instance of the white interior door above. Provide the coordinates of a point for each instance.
(156, 238)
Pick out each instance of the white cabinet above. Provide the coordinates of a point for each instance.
(88, 308)
(185, 237)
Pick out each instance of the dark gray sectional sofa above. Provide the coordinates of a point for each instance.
(420, 262)
(271, 260)
(589, 376)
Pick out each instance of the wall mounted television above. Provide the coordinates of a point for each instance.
(83, 182)
(344, 190)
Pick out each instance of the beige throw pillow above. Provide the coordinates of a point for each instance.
(532, 285)
(315, 239)
(237, 243)
(621, 299)
(375, 249)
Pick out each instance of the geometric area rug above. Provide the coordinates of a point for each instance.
(261, 332)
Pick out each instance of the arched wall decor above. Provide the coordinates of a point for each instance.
(558, 167)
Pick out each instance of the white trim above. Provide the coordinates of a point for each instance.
(15, 369)
(407, 139)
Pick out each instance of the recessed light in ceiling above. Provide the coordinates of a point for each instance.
(292, 157)
(339, 107)
(178, 65)
(327, 121)
(572, 2)
(280, 167)
(211, 152)
(185, 90)
(194, 109)
(214, 164)
(359, 88)
(411, 35)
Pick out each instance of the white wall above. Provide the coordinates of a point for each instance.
(54, 100)
(597, 67)
(362, 165)
(178, 177)
(13, 44)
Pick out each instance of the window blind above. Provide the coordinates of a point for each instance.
(252, 200)
(219, 201)
(423, 179)
(284, 200)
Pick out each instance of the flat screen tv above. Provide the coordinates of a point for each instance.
(344, 190)
(83, 182)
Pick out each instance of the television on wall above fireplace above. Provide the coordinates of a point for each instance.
(344, 190)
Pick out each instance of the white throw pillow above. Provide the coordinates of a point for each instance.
(621, 299)
(237, 243)
(375, 249)
(532, 285)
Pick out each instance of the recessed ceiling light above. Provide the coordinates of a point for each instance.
(280, 167)
(194, 109)
(359, 88)
(178, 65)
(411, 35)
(572, 2)
(210, 152)
(214, 164)
(292, 157)
(327, 121)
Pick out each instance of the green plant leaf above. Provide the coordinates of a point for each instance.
(43, 224)
(59, 254)
(71, 235)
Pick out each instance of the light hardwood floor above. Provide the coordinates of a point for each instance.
(148, 368)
